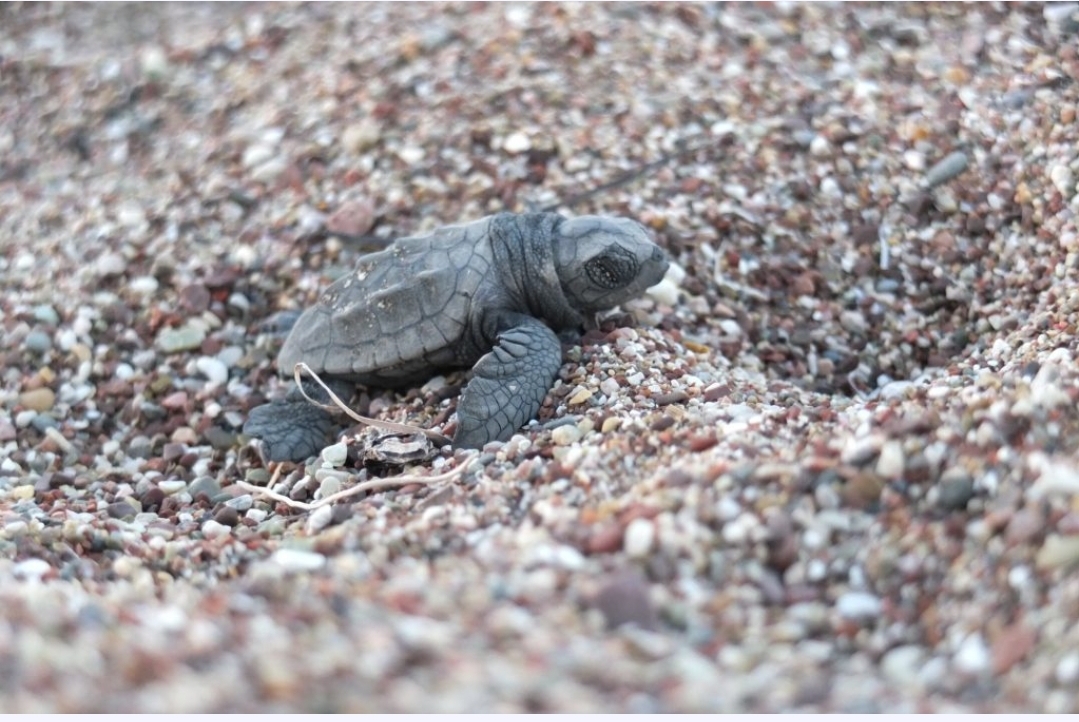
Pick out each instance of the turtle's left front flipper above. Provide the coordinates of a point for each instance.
(508, 383)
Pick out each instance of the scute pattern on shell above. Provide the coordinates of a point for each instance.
(392, 320)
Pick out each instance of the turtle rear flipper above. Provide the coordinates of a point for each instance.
(294, 428)
(509, 383)
(290, 430)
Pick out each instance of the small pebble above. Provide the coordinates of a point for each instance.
(31, 569)
(215, 371)
(241, 503)
(353, 218)
(257, 154)
(566, 435)
(947, 168)
(1067, 670)
(859, 606)
(891, 461)
(297, 560)
(902, 664)
(215, 530)
(666, 292)
(204, 485)
(517, 143)
(335, 455)
(318, 520)
(639, 538)
(256, 515)
(610, 424)
(143, 285)
(38, 342)
(39, 400)
(46, 314)
(184, 338)
(1058, 552)
(955, 493)
(625, 599)
(226, 515)
(362, 136)
(973, 656)
(411, 154)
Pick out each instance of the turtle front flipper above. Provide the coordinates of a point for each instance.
(508, 383)
(293, 429)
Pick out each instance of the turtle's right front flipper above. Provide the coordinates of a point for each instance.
(509, 383)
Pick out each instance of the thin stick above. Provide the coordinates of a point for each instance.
(434, 436)
(373, 484)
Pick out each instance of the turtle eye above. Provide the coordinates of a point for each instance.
(612, 269)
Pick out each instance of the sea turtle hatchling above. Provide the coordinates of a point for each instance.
(490, 294)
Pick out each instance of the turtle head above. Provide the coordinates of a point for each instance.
(604, 261)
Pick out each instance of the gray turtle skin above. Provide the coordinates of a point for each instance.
(490, 295)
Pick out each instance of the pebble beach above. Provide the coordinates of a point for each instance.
(829, 464)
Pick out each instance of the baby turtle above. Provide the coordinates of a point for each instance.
(490, 294)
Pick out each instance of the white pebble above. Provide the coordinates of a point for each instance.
(154, 61)
(262, 173)
(329, 486)
(895, 390)
(256, 515)
(973, 656)
(830, 188)
(609, 387)
(257, 154)
(639, 538)
(131, 214)
(143, 285)
(727, 508)
(901, 665)
(361, 136)
(566, 435)
(335, 455)
(892, 460)
(1056, 479)
(858, 605)
(215, 371)
(730, 327)
(740, 530)
(664, 293)
(172, 486)
(297, 560)
(411, 154)
(320, 519)
(861, 451)
(1062, 177)
(214, 530)
(31, 569)
(1067, 671)
(820, 146)
(66, 339)
(816, 570)
(517, 143)
(914, 160)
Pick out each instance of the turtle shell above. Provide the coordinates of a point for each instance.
(400, 314)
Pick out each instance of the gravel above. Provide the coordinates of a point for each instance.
(830, 464)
